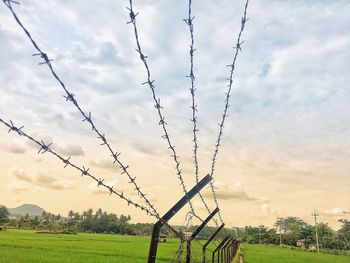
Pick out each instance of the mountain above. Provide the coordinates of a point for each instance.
(32, 210)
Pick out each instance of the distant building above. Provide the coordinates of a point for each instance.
(301, 243)
(162, 238)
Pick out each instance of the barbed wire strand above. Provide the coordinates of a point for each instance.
(45, 147)
(238, 48)
(87, 116)
(194, 106)
(162, 122)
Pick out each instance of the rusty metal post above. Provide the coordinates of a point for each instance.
(228, 252)
(217, 231)
(218, 247)
(176, 208)
(222, 250)
(196, 232)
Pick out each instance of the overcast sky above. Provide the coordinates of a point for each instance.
(286, 145)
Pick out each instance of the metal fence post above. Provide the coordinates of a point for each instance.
(217, 248)
(221, 252)
(176, 208)
(217, 231)
(228, 252)
(196, 232)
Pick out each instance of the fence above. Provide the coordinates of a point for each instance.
(227, 248)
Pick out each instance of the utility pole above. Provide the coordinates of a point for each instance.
(315, 215)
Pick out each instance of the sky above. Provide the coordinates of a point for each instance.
(286, 144)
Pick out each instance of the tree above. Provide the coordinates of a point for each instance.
(34, 222)
(293, 229)
(4, 215)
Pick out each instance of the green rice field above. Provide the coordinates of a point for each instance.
(274, 254)
(24, 246)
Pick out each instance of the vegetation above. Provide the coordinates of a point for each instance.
(30, 247)
(286, 230)
(27, 246)
(292, 229)
(4, 215)
(272, 254)
(92, 222)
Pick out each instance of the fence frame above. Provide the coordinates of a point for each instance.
(152, 254)
(218, 247)
(196, 232)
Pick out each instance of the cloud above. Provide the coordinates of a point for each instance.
(21, 174)
(334, 212)
(20, 190)
(41, 179)
(95, 190)
(70, 150)
(235, 192)
(12, 147)
(287, 126)
(104, 164)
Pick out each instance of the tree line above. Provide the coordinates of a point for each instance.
(286, 231)
(88, 221)
(290, 230)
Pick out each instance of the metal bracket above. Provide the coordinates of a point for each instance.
(222, 251)
(217, 231)
(196, 232)
(176, 208)
(217, 248)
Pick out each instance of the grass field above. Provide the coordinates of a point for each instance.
(25, 246)
(271, 254)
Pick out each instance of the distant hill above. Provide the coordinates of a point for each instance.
(32, 210)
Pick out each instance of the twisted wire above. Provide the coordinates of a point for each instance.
(194, 106)
(45, 147)
(86, 116)
(158, 106)
(237, 48)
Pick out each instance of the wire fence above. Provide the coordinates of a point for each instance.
(194, 106)
(87, 117)
(45, 148)
(150, 82)
(238, 48)
(148, 208)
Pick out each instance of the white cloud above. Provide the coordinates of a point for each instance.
(39, 178)
(288, 121)
(334, 212)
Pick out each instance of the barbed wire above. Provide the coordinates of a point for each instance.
(194, 106)
(238, 48)
(46, 148)
(86, 116)
(162, 122)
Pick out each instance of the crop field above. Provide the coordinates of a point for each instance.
(271, 254)
(29, 247)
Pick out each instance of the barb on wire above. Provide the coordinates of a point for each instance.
(85, 172)
(194, 106)
(45, 148)
(162, 122)
(238, 48)
(86, 117)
